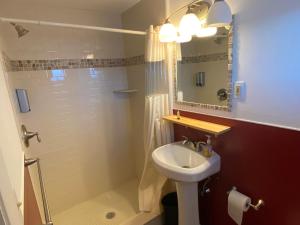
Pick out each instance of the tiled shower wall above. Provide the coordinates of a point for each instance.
(85, 131)
(85, 128)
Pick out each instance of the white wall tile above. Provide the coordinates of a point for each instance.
(85, 130)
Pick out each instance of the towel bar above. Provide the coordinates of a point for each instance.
(28, 162)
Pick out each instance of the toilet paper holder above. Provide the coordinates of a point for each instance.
(257, 206)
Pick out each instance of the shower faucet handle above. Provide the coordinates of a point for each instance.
(38, 138)
(27, 135)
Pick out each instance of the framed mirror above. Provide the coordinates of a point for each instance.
(203, 73)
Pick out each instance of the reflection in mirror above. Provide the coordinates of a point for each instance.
(202, 71)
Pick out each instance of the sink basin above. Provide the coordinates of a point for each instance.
(187, 167)
(180, 163)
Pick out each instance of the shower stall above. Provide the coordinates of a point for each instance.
(91, 149)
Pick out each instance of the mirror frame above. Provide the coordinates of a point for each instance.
(228, 106)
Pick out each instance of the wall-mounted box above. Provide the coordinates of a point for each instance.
(23, 100)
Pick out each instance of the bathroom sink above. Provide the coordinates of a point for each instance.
(186, 167)
(178, 162)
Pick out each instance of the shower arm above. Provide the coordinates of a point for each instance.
(68, 25)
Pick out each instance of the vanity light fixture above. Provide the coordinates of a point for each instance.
(219, 14)
(168, 32)
(189, 23)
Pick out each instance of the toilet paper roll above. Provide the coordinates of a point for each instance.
(237, 205)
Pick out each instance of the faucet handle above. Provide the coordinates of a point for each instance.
(38, 137)
(199, 145)
(27, 135)
(185, 138)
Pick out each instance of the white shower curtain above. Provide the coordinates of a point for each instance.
(157, 132)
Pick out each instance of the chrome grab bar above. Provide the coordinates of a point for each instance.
(27, 163)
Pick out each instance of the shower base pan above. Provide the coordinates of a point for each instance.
(115, 207)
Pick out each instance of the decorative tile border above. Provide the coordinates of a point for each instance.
(52, 64)
(135, 60)
(205, 58)
(190, 106)
(35, 65)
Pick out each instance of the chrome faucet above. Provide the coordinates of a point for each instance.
(186, 140)
(27, 135)
(194, 145)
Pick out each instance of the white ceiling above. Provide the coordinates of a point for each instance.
(114, 6)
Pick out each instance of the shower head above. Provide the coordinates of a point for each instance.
(20, 30)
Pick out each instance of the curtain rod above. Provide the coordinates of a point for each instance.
(68, 25)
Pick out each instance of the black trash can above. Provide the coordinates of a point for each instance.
(170, 205)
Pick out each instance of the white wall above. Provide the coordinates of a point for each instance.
(11, 156)
(84, 126)
(266, 56)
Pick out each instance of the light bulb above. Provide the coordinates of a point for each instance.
(207, 31)
(167, 33)
(183, 38)
(189, 24)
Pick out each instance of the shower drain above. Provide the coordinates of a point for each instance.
(186, 167)
(110, 215)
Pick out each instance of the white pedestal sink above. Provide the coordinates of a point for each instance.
(187, 168)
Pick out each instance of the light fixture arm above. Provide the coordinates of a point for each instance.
(181, 8)
(195, 22)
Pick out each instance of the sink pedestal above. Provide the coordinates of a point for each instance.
(187, 167)
(188, 208)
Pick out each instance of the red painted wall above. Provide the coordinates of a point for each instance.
(31, 211)
(262, 162)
